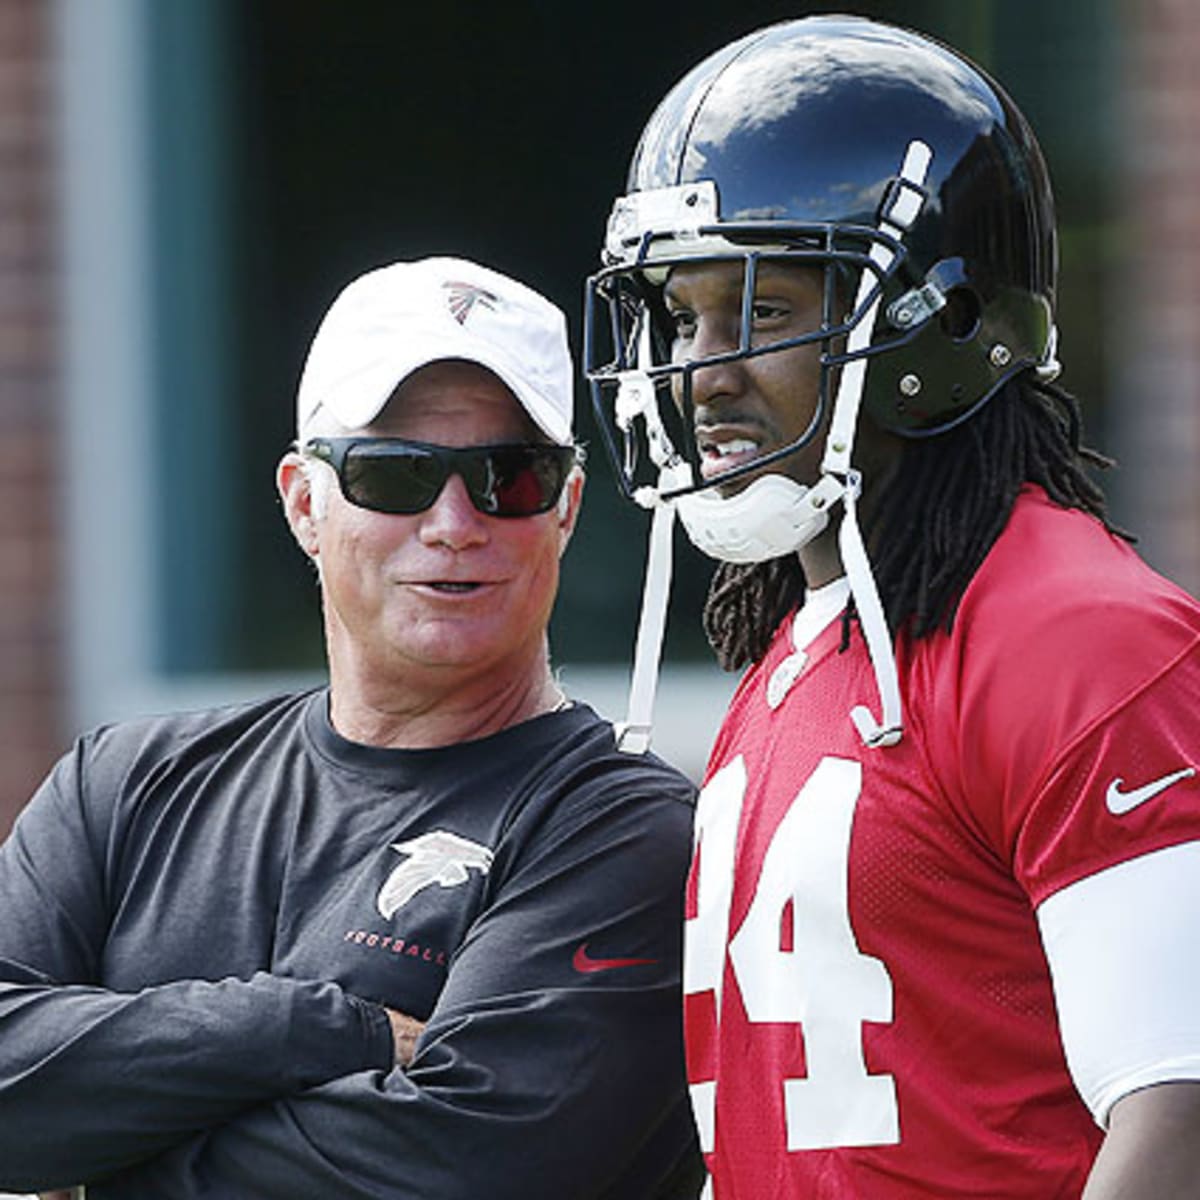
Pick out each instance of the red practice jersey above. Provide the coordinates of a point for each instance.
(870, 1011)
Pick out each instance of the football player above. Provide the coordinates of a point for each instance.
(946, 876)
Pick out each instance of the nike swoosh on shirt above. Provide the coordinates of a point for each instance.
(586, 964)
(1119, 802)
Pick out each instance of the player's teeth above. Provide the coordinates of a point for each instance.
(737, 446)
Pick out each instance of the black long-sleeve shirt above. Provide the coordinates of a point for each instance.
(202, 916)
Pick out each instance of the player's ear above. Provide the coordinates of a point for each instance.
(294, 483)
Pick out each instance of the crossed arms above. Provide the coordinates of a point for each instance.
(262, 1085)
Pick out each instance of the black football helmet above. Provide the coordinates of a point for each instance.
(878, 154)
(902, 172)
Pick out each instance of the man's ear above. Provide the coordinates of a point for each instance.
(295, 491)
(568, 507)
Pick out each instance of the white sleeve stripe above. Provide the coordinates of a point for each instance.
(1121, 949)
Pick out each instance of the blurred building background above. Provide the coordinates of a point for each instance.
(185, 184)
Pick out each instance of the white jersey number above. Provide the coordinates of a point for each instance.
(823, 983)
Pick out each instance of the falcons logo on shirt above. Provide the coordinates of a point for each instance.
(462, 298)
(438, 857)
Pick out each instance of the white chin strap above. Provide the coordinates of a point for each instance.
(783, 517)
(636, 399)
(776, 516)
(888, 730)
(633, 734)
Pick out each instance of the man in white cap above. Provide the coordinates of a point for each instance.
(414, 934)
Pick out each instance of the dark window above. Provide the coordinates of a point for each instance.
(300, 142)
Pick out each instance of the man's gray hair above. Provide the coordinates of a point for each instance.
(320, 475)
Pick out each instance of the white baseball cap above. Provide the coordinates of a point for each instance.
(393, 320)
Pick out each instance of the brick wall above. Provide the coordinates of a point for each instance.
(31, 692)
(1154, 332)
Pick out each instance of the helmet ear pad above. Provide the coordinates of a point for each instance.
(957, 360)
(961, 317)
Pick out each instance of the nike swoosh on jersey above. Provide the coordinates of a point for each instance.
(1119, 802)
(586, 964)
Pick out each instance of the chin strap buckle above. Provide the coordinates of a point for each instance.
(916, 307)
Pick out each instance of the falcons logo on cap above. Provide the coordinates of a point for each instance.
(438, 857)
(461, 298)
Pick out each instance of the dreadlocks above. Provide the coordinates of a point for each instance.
(933, 523)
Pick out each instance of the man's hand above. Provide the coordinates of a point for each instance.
(405, 1031)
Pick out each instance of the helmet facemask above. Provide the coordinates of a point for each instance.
(644, 397)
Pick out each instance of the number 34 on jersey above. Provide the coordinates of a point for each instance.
(793, 960)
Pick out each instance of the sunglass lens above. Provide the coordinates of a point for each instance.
(524, 481)
(392, 479)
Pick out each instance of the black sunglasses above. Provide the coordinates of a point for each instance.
(395, 475)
